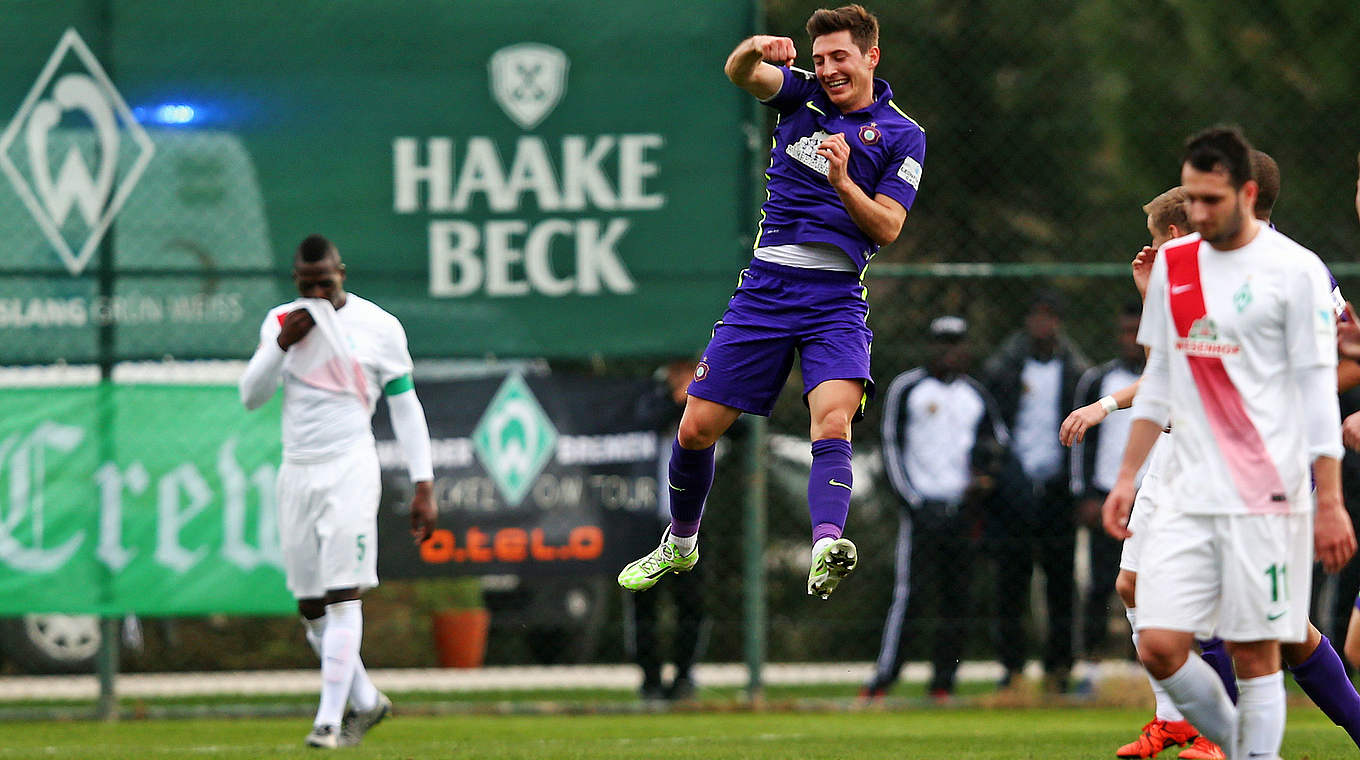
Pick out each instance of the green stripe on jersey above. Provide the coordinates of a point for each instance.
(400, 385)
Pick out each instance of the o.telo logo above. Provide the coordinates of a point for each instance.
(96, 190)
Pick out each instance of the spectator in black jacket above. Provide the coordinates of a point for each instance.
(1095, 465)
(942, 439)
(1033, 377)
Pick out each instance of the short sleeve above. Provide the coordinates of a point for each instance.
(394, 358)
(1153, 327)
(1310, 318)
(798, 86)
(902, 175)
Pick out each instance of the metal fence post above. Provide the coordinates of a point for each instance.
(753, 558)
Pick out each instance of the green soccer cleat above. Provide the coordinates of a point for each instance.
(830, 566)
(642, 574)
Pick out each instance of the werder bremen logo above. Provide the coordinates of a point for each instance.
(528, 80)
(514, 439)
(74, 122)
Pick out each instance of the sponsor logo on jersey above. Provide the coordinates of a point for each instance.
(805, 152)
(1203, 340)
(910, 172)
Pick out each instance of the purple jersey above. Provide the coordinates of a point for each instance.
(887, 151)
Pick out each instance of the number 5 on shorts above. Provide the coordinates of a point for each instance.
(359, 545)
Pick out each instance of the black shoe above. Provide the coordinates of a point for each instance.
(652, 691)
(681, 689)
(1010, 680)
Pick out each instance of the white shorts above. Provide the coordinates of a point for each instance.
(1144, 505)
(1150, 494)
(328, 523)
(1238, 577)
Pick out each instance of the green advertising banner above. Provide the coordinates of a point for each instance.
(157, 500)
(516, 178)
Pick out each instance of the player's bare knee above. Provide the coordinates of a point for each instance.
(335, 596)
(832, 424)
(1162, 654)
(1125, 584)
(696, 434)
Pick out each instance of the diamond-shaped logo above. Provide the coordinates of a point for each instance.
(74, 117)
(514, 439)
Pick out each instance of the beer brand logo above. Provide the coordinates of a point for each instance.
(76, 93)
(528, 81)
(514, 439)
(1202, 340)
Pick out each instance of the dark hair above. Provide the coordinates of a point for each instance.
(1222, 149)
(1168, 209)
(862, 25)
(1267, 175)
(315, 248)
(1048, 298)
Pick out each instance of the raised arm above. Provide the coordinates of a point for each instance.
(750, 64)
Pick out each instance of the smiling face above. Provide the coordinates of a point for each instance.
(845, 72)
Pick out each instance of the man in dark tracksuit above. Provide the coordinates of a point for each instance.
(1033, 377)
(942, 436)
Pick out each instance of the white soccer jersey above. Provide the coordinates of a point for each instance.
(1233, 327)
(322, 424)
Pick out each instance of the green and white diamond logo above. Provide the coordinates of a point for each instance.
(514, 439)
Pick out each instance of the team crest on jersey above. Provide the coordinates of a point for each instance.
(700, 371)
(1202, 340)
(805, 152)
(869, 134)
(1242, 298)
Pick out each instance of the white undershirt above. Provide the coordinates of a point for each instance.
(1036, 422)
(822, 256)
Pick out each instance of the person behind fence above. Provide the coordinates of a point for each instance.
(661, 410)
(1033, 377)
(942, 441)
(1094, 465)
(334, 353)
(844, 169)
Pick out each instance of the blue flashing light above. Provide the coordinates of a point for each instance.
(174, 113)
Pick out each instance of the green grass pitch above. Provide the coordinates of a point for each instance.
(923, 734)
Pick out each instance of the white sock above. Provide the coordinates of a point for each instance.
(340, 653)
(685, 544)
(1166, 709)
(1197, 691)
(1260, 707)
(823, 541)
(363, 695)
(314, 629)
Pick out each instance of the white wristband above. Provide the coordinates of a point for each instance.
(1108, 404)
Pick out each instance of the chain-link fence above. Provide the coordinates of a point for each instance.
(1049, 125)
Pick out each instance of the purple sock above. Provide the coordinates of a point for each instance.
(691, 475)
(1323, 679)
(829, 487)
(1213, 652)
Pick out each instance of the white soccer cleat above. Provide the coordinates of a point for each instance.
(830, 566)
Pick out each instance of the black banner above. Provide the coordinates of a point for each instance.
(534, 475)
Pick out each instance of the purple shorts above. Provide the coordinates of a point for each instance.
(776, 311)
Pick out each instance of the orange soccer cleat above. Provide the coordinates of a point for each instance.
(1157, 735)
(1202, 749)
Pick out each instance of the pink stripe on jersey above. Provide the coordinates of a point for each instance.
(1253, 472)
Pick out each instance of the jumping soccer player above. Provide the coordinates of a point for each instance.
(335, 353)
(1242, 336)
(844, 170)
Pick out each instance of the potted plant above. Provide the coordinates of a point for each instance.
(458, 620)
